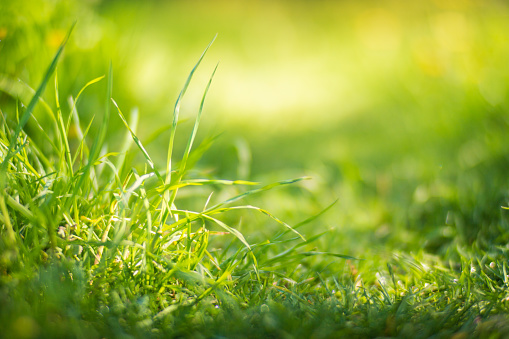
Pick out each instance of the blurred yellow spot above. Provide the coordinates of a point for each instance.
(451, 31)
(73, 132)
(426, 58)
(453, 4)
(378, 29)
(3, 33)
(148, 69)
(55, 38)
(25, 327)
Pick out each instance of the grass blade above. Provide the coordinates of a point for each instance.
(138, 142)
(173, 129)
(183, 163)
(30, 108)
(255, 191)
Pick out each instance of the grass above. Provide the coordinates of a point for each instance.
(116, 230)
(103, 243)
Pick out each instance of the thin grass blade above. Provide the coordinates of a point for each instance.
(31, 106)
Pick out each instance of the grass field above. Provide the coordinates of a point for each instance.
(341, 172)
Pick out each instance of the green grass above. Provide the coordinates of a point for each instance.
(99, 237)
(117, 229)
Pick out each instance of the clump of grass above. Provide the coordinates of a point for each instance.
(98, 221)
(66, 199)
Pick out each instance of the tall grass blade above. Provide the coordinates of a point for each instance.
(64, 140)
(183, 163)
(101, 135)
(30, 108)
(128, 139)
(173, 129)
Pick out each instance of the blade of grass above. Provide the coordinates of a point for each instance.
(30, 108)
(183, 163)
(255, 191)
(94, 153)
(202, 182)
(64, 140)
(75, 102)
(128, 140)
(308, 220)
(138, 142)
(176, 110)
(101, 135)
(267, 213)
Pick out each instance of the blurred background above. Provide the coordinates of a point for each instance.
(398, 110)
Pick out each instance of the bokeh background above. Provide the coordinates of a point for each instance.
(398, 110)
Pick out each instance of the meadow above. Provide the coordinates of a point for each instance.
(319, 169)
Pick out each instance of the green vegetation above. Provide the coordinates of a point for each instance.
(382, 216)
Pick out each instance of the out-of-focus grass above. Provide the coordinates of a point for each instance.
(286, 66)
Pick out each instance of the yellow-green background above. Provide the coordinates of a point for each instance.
(396, 108)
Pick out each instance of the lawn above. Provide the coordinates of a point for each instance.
(315, 169)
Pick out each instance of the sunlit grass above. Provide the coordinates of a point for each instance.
(105, 220)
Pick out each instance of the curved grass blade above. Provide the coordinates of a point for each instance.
(75, 102)
(138, 142)
(255, 191)
(308, 220)
(267, 213)
(101, 135)
(201, 182)
(218, 208)
(233, 231)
